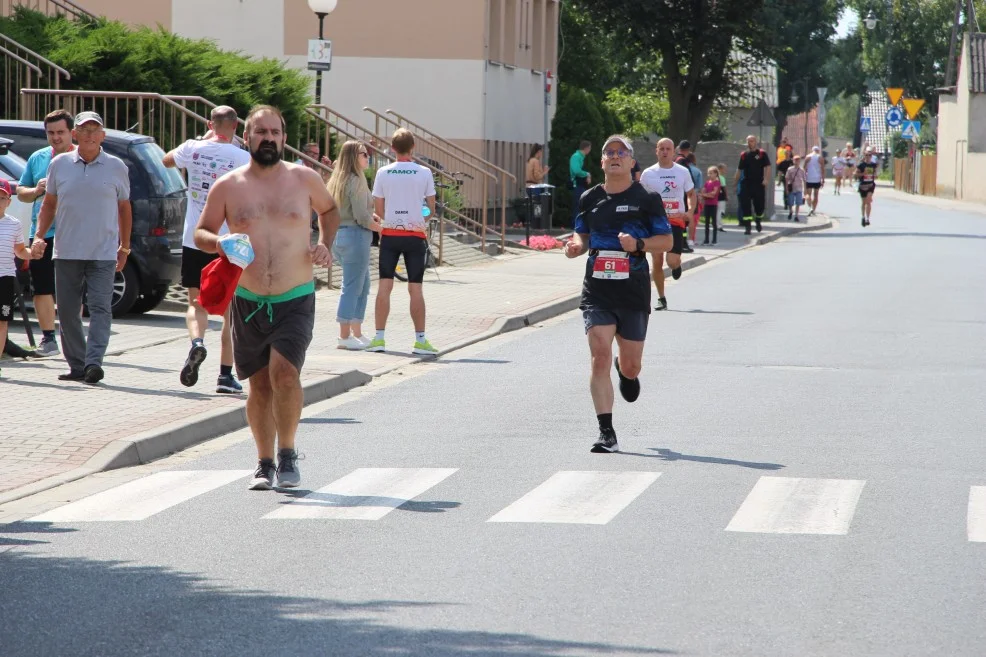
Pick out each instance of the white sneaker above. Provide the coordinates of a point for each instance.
(365, 340)
(351, 344)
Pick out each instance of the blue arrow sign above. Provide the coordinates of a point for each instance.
(912, 130)
(865, 124)
(894, 117)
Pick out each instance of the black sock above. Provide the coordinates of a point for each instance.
(198, 342)
(605, 421)
(48, 335)
(225, 370)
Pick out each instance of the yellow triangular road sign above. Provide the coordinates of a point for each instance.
(894, 94)
(912, 106)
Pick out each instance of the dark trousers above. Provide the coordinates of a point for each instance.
(752, 198)
(711, 218)
(576, 197)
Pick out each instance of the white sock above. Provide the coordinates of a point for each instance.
(419, 336)
(379, 334)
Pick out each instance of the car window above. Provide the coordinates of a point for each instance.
(164, 181)
(12, 165)
(24, 144)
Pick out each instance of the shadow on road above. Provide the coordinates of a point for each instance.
(668, 455)
(877, 233)
(699, 311)
(81, 607)
(329, 420)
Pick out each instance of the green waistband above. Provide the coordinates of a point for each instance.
(269, 300)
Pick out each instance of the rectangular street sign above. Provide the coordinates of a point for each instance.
(865, 124)
(911, 130)
(319, 55)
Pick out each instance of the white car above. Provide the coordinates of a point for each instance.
(11, 168)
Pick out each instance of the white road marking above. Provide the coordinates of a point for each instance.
(976, 521)
(592, 498)
(364, 494)
(786, 505)
(142, 498)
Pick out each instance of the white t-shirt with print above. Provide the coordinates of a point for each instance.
(673, 184)
(403, 186)
(11, 234)
(205, 162)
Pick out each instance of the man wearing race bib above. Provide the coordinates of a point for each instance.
(205, 161)
(866, 172)
(618, 222)
(677, 190)
(398, 192)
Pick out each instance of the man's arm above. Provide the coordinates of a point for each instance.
(378, 207)
(45, 218)
(577, 245)
(175, 157)
(767, 176)
(28, 189)
(431, 203)
(126, 218)
(212, 218)
(692, 201)
(169, 160)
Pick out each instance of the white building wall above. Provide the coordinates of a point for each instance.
(514, 105)
(255, 27)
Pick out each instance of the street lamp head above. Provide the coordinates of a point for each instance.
(322, 6)
(794, 97)
(869, 21)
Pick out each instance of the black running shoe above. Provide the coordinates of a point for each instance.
(662, 304)
(606, 443)
(263, 477)
(759, 227)
(687, 249)
(629, 388)
(676, 273)
(72, 375)
(190, 372)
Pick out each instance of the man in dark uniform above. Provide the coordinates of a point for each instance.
(618, 223)
(754, 166)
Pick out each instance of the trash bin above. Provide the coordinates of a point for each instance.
(540, 205)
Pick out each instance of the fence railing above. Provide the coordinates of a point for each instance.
(327, 127)
(22, 67)
(480, 190)
(66, 8)
(917, 174)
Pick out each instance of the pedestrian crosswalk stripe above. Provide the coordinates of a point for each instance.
(364, 494)
(976, 520)
(142, 498)
(787, 505)
(592, 498)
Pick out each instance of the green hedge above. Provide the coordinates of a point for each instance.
(109, 56)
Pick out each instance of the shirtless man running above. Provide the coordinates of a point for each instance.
(273, 309)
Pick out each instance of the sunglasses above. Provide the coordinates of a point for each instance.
(620, 152)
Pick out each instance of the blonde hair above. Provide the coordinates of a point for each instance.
(345, 167)
(712, 169)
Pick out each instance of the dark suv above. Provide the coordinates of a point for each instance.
(157, 195)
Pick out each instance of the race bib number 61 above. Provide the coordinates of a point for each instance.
(611, 265)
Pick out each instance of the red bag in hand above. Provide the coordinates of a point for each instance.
(219, 279)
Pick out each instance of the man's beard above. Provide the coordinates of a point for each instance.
(266, 154)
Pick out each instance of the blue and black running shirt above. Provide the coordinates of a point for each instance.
(618, 281)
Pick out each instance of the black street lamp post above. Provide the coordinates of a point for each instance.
(322, 8)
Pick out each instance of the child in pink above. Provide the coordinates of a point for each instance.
(710, 202)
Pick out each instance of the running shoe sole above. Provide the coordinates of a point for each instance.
(190, 372)
(676, 273)
(600, 448)
(227, 390)
(424, 352)
(261, 483)
(629, 388)
(289, 482)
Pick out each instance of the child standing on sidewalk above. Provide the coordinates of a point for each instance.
(11, 244)
(710, 198)
(794, 181)
(723, 196)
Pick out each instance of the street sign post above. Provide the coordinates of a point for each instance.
(912, 130)
(762, 116)
(894, 117)
(319, 55)
(865, 124)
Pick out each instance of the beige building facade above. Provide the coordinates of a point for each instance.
(962, 127)
(472, 71)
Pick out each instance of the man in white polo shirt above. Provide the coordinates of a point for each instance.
(399, 191)
(88, 194)
(205, 161)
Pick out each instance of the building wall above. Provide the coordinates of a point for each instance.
(949, 133)
(146, 13)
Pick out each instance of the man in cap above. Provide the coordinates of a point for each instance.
(88, 195)
(619, 221)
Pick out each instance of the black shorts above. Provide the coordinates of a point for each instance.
(43, 270)
(414, 250)
(193, 262)
(7, 299)
(630, 324)
(866, 191)
(286, 326)
(817, 185)
(678, 235)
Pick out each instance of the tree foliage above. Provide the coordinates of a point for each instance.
(108, 55)
(640, 113)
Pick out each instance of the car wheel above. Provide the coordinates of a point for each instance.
(149, 302)
(125, 291)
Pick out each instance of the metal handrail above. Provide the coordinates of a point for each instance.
(20, 59)
(41, 58)
(67, 6)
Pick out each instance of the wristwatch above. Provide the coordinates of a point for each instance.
(640, 244)
(123, 250)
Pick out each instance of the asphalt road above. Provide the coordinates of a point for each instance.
(800, 477)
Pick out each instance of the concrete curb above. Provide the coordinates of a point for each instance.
(160, 442)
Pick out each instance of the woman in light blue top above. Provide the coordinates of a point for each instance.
(351, 249)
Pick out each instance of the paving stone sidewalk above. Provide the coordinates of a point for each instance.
(50, 429)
